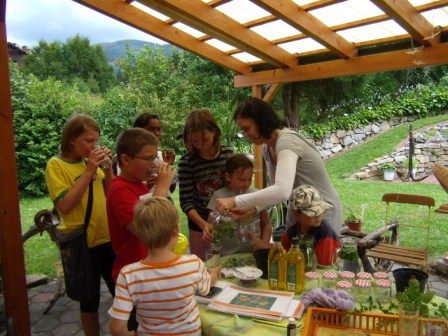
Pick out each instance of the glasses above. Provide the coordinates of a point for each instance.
(149, 160)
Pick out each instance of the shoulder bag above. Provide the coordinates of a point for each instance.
(75, 257)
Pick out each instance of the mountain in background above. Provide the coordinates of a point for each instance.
(117, 49)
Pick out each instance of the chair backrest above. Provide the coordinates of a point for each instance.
(410, 212)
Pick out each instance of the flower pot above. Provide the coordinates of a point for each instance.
(389, 175)
(403, 275)
(354, 226)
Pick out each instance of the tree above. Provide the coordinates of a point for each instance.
(75, 61)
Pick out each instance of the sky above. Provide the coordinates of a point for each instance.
(28, 21)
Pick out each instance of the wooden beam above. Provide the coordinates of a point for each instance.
(306, 23)
(410, 19)
(11, 247)
(272, 91)
(396, 60)
(203, 17)
(258, 150)
(132, 16)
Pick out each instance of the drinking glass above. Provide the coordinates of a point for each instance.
(155, 167)
(408, 319)
(212, 257)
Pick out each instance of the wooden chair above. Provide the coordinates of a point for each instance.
(390, 248)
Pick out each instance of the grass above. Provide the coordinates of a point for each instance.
(41, 253)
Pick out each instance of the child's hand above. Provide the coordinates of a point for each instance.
(257, 243)
(168, 156)
(225, 204)
(207, 232)
(214, 273)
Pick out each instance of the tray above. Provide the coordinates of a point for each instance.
(330, 322)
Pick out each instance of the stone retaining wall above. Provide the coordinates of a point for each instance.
(431, 146)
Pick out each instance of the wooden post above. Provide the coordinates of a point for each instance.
(11, 247)
(258, 156)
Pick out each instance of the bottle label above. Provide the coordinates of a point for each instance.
(291, 276)
(273, 271)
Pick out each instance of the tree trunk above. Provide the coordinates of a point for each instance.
(290, 95)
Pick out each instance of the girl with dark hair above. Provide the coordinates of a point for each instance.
(291, 161)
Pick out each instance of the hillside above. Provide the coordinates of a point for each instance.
(117, 49)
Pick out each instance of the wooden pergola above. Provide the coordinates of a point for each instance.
(265, 42)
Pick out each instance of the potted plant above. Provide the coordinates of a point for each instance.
(352, 221)
(405, 163)
(388, 170)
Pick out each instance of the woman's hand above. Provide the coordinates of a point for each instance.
(225, 204)
(242, 213)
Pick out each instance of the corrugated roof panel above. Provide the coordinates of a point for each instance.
(348, 11)
(187, 29)
(301, 46)
(242, 11)
(275, 30)
(372, 31)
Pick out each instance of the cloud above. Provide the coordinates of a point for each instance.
(28, 21)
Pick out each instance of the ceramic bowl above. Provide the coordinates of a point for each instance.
(247, 276)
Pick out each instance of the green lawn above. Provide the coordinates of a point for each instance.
(41, 252)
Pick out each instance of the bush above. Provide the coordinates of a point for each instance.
(40, 110)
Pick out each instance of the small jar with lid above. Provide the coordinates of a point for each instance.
(362, 290)
(383, 290)
(347, 276)
(329, 279)
(344, 285)
(364, 276)
(381, 275)
(311, 280)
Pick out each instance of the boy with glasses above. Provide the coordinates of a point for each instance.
(136, 151)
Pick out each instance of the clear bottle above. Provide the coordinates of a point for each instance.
(295, 268)
(306, 243)
(276, 264)
(291, 329)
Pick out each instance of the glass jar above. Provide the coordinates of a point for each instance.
(224, 227)
(311, 280)
(344, 285)
(347, 258)
(347, 276)
(306, 244)
(364, 276)
(381, 275)
(383, 290)
(363, 289)
(329, 279)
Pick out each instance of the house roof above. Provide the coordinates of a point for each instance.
(275, 41)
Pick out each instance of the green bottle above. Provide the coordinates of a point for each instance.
(295, 268)
(277, 264)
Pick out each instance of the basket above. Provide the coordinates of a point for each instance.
(323, 321)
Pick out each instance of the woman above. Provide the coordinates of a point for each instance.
(68, 177)
(290, 159)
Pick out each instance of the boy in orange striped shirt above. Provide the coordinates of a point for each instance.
(161, 286)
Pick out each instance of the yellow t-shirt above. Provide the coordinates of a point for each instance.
(60, 177)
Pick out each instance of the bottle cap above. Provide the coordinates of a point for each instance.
(295, 240)
(277, 236)
(292, 320)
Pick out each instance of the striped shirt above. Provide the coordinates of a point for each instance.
(163, 294)
(198, 180)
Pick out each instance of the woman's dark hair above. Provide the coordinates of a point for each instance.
(143, 119)
(262, 113)
(237, 161)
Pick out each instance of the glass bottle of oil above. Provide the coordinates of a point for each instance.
(277, 264)
(295, 268)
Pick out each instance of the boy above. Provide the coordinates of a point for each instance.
(136, 150)
(161, 286)
(308, 211)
